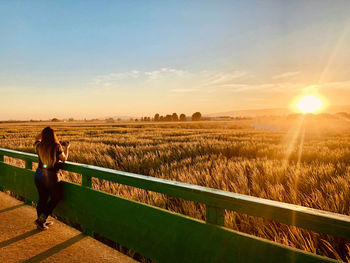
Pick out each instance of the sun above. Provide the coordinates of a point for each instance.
(309, 104)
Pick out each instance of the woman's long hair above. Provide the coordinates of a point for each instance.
(48, 147)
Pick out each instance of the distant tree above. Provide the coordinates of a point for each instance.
(196, 116)
(70, 119)
(156, 117)
(294, 116)
(174, 117)
(55, 120)
(136, 120)
(119, 119)
(168, 117)
(109, 120)
(182, 117)
(141, 119)
(326, 116)
(343, 115)
(161, 118)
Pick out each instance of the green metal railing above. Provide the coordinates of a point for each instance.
(164, 236)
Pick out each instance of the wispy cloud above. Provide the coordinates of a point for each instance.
(165, 72)
(184, 90)
(179, 82)
(222, 78)
(286, 75)
(337, 84)
(232, 87)
(334, 85)
(113, 78)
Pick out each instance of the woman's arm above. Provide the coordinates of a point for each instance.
(37, 140)
(38, 137)
(64, 155)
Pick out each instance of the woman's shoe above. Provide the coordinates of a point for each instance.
(40, 225)
(48, 223)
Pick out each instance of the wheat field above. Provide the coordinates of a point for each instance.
(303, 162)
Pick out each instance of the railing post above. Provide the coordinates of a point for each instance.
(1, 160)
(215, 215)
(29, 164)
(86, 181)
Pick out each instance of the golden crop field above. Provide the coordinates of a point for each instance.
(303, 162)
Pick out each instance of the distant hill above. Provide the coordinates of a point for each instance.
(251, 113)
(336, 109)
(274, 112)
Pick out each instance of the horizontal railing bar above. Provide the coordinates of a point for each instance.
(19, 155)
(308, 218)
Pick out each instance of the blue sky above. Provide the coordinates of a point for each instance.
(109, 58)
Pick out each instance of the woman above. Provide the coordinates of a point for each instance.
(50, 153)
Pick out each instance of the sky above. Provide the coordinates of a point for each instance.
(96, 59)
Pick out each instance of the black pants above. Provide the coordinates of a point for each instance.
(48, 187)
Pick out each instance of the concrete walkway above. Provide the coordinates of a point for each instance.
(20, 241)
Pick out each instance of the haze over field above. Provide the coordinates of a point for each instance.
(79, 59)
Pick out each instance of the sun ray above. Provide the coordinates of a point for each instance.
(301, 145)
(334, 52)
(293, 141)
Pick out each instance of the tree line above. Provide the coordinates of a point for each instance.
(157, 118)
(172, 117)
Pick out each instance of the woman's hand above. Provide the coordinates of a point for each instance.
(64, 156)
(38, 137)
(66, 146)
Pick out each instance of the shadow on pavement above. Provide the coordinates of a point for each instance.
(56, 249)
(11, 208)
(18, 238)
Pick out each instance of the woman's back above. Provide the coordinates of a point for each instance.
(48, 148)
(48, 155)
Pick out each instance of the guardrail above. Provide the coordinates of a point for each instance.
(164, 236)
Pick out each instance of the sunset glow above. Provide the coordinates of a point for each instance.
(238, 101)
(310, 104)
(126, 60)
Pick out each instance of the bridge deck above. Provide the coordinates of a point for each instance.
(20, 241)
